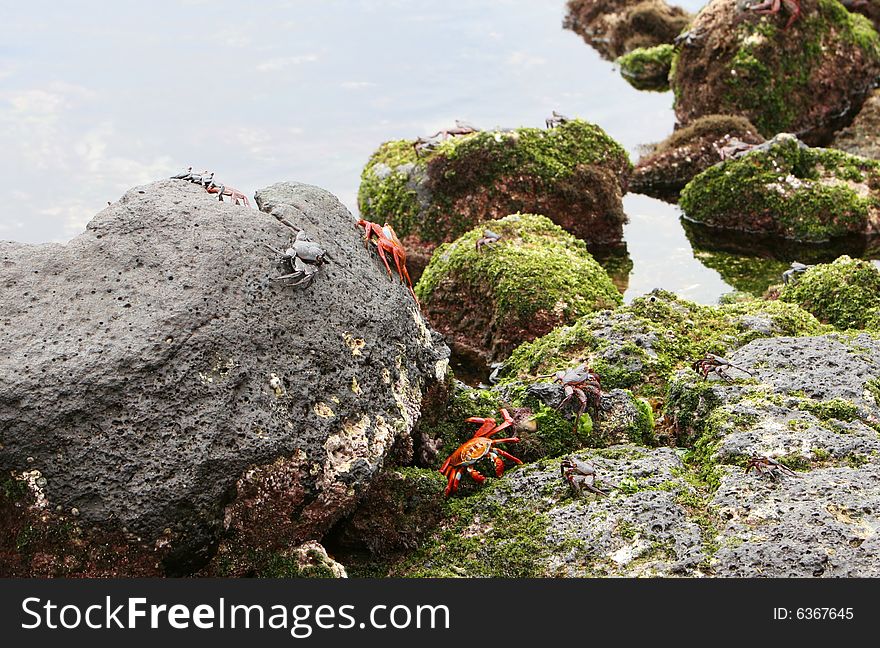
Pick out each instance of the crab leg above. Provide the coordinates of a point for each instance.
(510, 440)
(486, 425)
(452, 483)
(381, 246)
(475, 475)
(508, 455)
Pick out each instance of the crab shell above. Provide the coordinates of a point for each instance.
(472, 450)
(308, 251)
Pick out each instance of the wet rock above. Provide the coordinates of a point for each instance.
(786, 189)
(574, 174)
(845, 293)
(813, 405)
(166, 388)
(689, 151)
(530, 523)
(614, 28)
(862, 137)
(488, 299)
(806, 79)
(647, 68)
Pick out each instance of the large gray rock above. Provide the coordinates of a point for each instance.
(151, 370)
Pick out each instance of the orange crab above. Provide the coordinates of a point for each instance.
(386, 241)
(477, 447)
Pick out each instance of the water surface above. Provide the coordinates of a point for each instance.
(102, 96)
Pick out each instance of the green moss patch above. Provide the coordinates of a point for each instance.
(845, 293)
(647, 68)
(537, 276)
(640, 346)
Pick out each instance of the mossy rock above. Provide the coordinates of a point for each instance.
(574, 174)
(642, 345)
(845, 293)
(309, 560)
(616, 27)
(536, 277)
(797, 80)
(647, 68)
(786, 189)
(665, 170)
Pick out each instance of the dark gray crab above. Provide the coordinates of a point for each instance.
(712, 363)
(430, 142)
(581, 383)
(796, 268)
(303, 258)
(489, 239)
(581, 476)
(556, 119)
(770, 467)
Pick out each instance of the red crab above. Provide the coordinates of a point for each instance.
(477, 447)
(772, 8)
(238, 198)
(386, 241)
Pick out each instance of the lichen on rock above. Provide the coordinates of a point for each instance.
(641, 345)
(808, 404)
(531, 525)
(786, 189)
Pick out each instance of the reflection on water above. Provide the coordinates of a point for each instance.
(750, 263)
(662, 254)
(98, 97)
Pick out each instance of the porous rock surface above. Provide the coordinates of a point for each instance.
(811, 405)
(162, 385)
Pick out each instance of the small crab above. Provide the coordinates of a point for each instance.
(582, 383)
(733, 149)
(581, 475)
(717, 365)
(238, 198)
(431, 141)
(477, 447)
(489, 239)
(556, 119)
(796, 268)
(764, 465)
(772, 7)
(386, 241)
(304, 257)
(206, 180)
